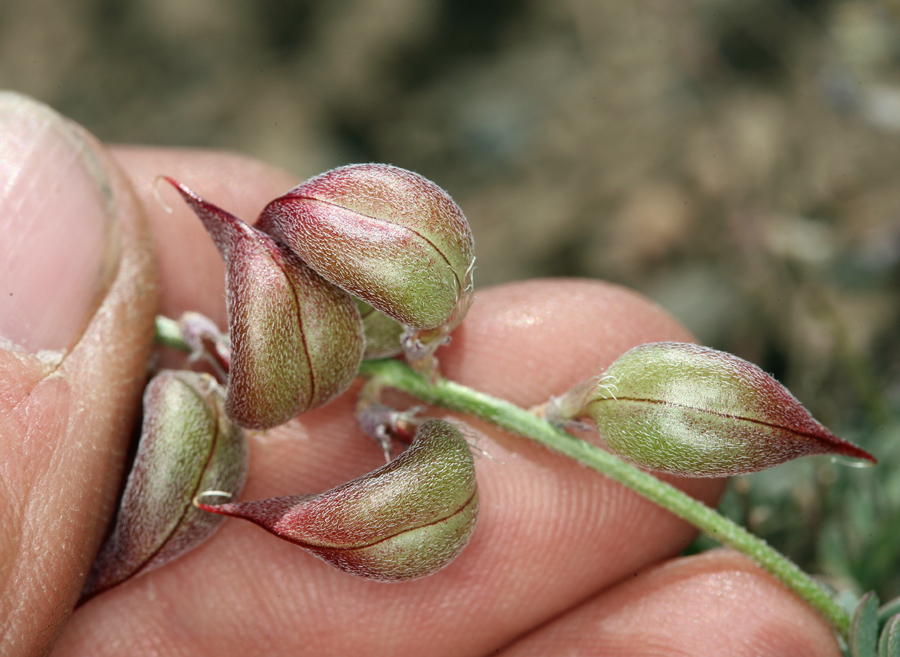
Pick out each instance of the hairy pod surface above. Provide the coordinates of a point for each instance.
(187, 444)
(405, 520)
(296, 339)
(697, 412)
(386, 235)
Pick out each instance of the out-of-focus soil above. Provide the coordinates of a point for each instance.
(737, 161)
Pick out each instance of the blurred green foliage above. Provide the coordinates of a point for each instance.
(834, 519)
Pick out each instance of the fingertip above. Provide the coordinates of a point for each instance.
(66, 418)
(716, 603)
(527, 340)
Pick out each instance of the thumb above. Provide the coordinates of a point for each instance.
(77, 300)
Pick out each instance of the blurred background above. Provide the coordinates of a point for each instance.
(738, 162)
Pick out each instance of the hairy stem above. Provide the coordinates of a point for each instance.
(514, 419)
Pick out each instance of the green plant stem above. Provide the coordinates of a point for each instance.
(514, 419)
(168, 333)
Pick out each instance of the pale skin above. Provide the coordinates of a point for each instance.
(562, 561)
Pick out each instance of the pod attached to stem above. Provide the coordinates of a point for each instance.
(697, 412)
(405, 520)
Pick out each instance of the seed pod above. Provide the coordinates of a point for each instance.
(405, 520)
(384, 234)
(187, 445)
(382, 333)
(697, 412)
(296, 339)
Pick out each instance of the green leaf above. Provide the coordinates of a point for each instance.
(889, 645)
(864, 627)
(888, 610)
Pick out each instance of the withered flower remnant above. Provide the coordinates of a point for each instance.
(405, 520)
(296, 339)
(697, 412)
(187, 444)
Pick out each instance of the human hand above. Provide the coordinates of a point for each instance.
(562, 561)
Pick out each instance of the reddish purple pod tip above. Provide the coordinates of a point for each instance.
(296, 339)
(841, 447)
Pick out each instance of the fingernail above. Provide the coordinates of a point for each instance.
(59, 246)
